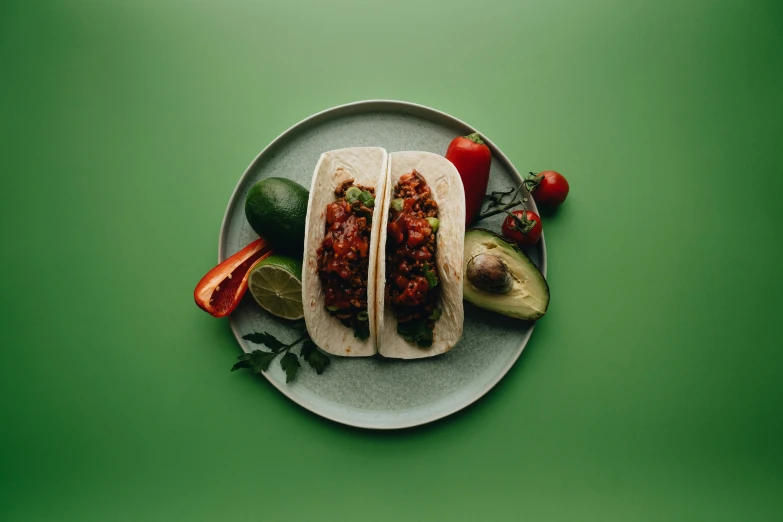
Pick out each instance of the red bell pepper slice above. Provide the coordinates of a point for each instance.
(220, 291)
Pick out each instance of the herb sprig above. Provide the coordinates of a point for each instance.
(259, 360)
(416, 331)
(500, 201)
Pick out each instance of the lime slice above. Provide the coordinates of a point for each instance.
(276, 285)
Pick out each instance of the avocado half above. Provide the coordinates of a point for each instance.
(527, 294)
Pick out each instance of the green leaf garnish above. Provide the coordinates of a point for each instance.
(266, 339)
(412, 331)
(425, 341)
(258, 360)
(416, 332)
(290, 364)
(362, 330)
(314, 357)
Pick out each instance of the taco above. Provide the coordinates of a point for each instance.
(341, 246)
(419, 297)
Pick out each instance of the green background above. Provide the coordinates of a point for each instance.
(651, 391)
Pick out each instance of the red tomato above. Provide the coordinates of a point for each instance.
(472, 157)
(552, 189)
(220, 291)
(511, 229)
(337, 212)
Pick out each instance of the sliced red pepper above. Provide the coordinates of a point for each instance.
(220, 291)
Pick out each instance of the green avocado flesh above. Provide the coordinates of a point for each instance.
(515, 287)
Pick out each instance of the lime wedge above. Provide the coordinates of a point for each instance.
(276, 285)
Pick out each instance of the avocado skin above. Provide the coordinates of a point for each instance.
(495, 302)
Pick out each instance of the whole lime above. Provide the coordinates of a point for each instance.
(276, 208)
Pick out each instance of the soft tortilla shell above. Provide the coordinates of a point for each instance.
(366, 166)
(447, 190)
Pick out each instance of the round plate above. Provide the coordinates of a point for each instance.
(373, 392)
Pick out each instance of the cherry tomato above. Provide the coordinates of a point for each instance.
(511, 229)
(552, 189)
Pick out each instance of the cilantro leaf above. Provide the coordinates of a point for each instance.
(425, 340)
(261, 360)
(416, 332)
(290, 364)
(267, 339)
(256, 360)
(243, 361)
(317, 360)
(411, 330)
(362, 330)
(307, 348)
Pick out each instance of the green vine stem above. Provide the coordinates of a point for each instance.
(498, 206)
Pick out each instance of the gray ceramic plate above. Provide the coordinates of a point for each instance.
(374, 392)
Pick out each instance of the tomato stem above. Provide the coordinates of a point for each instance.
(500, 210)
(521, 223)
(475, 138)
(497, 206)
(532, 181)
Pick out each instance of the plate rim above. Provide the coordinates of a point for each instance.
(393, 106)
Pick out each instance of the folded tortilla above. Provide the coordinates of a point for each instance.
(447, 191)
(372, 166)
(366, 166)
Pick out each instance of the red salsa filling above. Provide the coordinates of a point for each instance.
(343, 257)
(411, 269)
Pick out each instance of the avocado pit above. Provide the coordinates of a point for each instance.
(489, 273)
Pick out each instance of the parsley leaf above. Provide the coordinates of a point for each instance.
(362, 330)
(314, 357)
(416, 332)
(290, 364)
(258, 360)
(319, 361)
(411, 330)
(425, 340)
(243, 362)
(307, 349)
(267, 339)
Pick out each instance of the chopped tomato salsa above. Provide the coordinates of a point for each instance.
(412, 280)
(343, 257)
